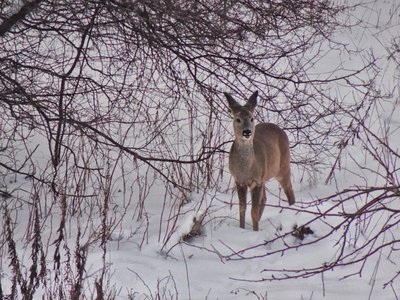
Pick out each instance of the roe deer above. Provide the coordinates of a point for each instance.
(258, 154)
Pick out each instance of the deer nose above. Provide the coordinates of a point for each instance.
(247, 133)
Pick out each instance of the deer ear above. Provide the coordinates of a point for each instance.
(233, 105)
(252, 102)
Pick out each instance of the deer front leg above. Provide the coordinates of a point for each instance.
(256, 194)
(242, 191)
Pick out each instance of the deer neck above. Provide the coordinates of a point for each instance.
(244, 154)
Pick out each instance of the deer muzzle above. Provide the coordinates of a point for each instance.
(247, 133)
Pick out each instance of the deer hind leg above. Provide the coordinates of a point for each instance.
(286, 184)
(256, 201)
(242, 192)
(263, 201)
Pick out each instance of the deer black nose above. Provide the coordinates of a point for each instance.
(247, 133)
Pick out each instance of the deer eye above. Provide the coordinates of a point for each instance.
(238, 120)
(252, 119)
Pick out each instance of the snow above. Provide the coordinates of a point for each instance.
(146, 259)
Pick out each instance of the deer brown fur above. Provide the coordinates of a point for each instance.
(260, 152)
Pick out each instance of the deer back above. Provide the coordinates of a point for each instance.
(271, 149)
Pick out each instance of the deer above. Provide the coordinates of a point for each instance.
(258, 153)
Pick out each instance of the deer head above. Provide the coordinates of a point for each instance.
(243, 119)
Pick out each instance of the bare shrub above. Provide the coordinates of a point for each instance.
(89, 87)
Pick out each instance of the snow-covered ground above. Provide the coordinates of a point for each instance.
(146, 259)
